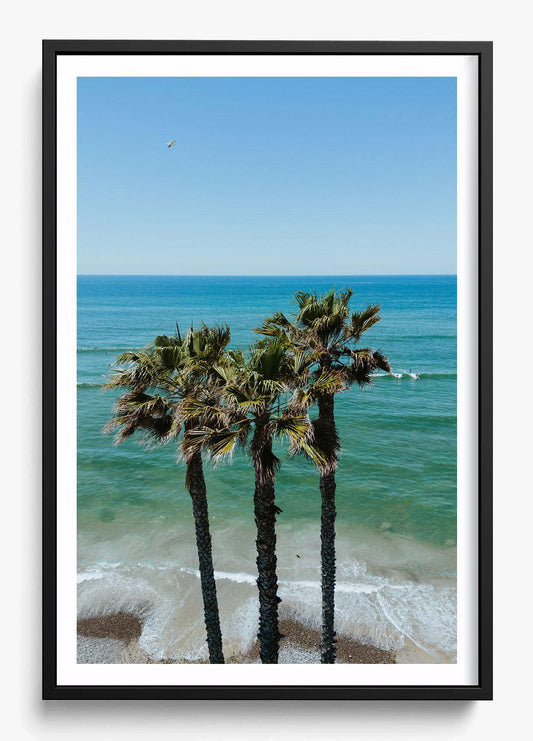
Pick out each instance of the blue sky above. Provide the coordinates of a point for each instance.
(269, 176)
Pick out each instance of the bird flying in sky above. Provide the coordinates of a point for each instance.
(172, 143)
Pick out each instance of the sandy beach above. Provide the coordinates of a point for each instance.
(113, 639)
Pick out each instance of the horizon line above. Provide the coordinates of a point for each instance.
(263, 275)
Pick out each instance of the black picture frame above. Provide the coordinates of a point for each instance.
(52, 49)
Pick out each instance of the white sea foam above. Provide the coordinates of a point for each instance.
(383, 609)
(89, 575)
(418, 375)
(239, 578)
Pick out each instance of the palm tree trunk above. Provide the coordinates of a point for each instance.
(326, 417)
(197, 490)
(267, 580)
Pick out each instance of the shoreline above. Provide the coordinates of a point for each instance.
(114, 639)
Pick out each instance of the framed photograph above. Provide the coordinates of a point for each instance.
(267, 370)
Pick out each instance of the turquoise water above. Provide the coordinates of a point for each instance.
(396, 491)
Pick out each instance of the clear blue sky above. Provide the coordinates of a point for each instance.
(269, 176)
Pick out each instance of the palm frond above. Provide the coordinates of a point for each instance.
(382, 361)
(276, 326)
(138, 411)
(301, 400)
(295, 426)
(302, 362)
(327, 382)
(309, 438)
(364, 362)
(216, 443)
(170, 357)
(361, 321)
(266, 463)
(242, 396)
(139, 370)
(192, 408)
(325, 445)
(313, 452)
(163, 340)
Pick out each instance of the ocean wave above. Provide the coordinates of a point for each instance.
(402, 337)
(375, 376)
(243, 578)
(89, 575)
(403, 419)
(406, 375)
(238, 578)
(378, 610)
(102, 349)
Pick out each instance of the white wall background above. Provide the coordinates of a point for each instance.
(23, 715)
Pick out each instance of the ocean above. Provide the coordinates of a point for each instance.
(396, 481)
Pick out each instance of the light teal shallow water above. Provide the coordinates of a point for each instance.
(396, 491)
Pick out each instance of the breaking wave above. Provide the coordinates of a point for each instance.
(373, 609)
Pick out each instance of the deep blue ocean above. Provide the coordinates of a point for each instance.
(396, 482)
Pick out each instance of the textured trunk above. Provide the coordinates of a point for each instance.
(197, 490)
(267, 581)
(327, 539)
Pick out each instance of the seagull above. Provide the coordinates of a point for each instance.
(172, 143)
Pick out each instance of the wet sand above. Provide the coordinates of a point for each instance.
(113, 639)
(122, 626)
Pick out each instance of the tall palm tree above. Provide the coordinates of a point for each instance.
(258, 407)
(326, 328)
(158, 379)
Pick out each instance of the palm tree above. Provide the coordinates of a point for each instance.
(326, 327)
(158, 379)
(259, 407)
